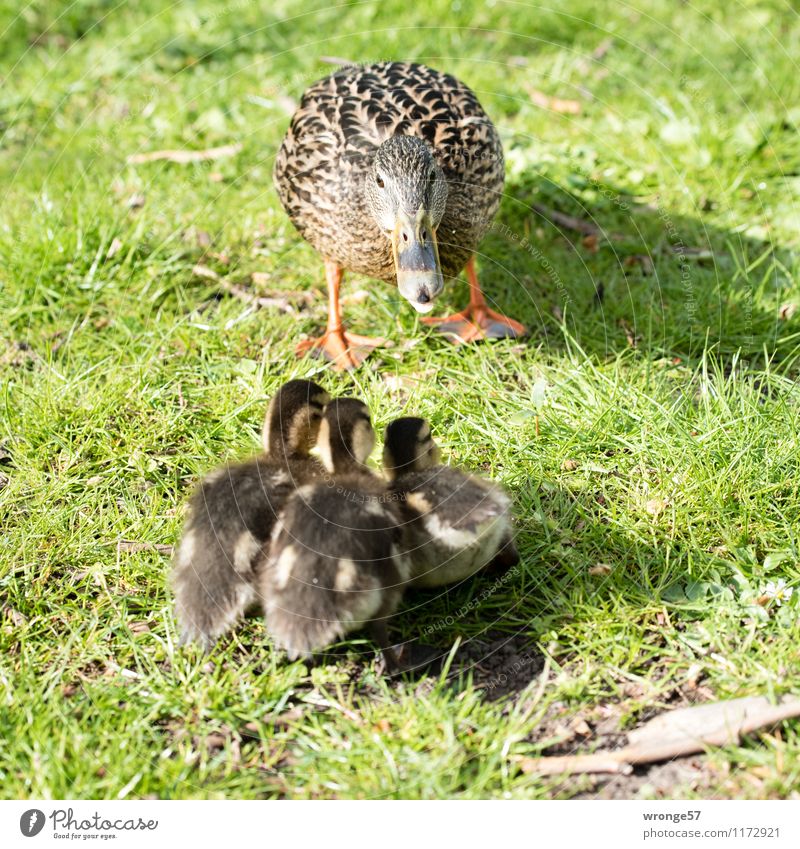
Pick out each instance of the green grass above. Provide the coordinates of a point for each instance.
(656, 492)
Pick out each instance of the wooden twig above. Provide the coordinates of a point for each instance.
(183, 157)
(257, 301)
(673, 734)
(134, 545)
(336, 60)
(554, 104)
(568, 221)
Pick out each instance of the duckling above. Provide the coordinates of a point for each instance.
(335, 564)
(455, 523)
(232, 513)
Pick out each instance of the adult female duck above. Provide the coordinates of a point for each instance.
(394, 170)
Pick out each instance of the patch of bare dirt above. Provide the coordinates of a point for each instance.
(502, 665)
(656, 781)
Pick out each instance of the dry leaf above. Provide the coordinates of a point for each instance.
(591, 243)
(17, 619)
(581, 727)
(114, 248)
(136, 201)
(569, 465)
(655, 506)
(184, 157)
(215, 741)
(642, 260)
(205, 272)
(600, 51)
(786, 311)
(633, 339)
(600, 569)
(260, 278)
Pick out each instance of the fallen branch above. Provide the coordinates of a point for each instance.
(601, 762)
(183, 157)
(555, 104)
(568, 221)
(673, 734)
(257, 301)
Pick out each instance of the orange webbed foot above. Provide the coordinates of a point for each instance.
(344, 349)
(476, 323)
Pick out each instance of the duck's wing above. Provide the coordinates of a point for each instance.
(342, 119)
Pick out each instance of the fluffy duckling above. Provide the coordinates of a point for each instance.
(232, 513)
(455, 523)
(334, 564)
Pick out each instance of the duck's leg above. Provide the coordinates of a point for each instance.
(345, 350)
(477, 321)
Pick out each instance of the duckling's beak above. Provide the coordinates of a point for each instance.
(416, 260)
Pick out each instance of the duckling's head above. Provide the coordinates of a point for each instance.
(409, 447)
(293, 419)
(406, 192)
(346, 437)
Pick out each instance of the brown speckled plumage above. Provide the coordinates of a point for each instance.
(331, 143)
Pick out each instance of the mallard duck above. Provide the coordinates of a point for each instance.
(394, 170)
(334, 564)
(455, 523)
(232, 513)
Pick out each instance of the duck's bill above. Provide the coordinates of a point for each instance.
(416, 257)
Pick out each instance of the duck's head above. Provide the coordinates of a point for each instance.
(409, 447)
(406, 193)
(346, 437)
(293, 419)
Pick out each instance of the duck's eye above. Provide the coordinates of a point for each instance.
(379, 181)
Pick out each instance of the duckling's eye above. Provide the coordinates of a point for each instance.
(379, 181)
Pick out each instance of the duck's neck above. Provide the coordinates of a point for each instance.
(283, 439)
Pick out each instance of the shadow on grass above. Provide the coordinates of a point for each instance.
(583, 569)
(621, 273)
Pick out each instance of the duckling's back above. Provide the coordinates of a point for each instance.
(334, 565)
(455, 524)
(231, 517)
